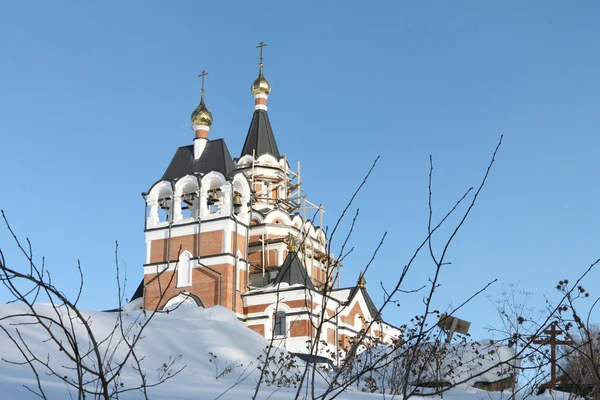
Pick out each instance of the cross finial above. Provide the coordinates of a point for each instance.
(202, 75)
(361, 282)
(260, 46)
(291, 244)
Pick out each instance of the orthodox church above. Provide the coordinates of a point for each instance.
(234, 233)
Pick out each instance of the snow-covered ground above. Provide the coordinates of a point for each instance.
(189, 335)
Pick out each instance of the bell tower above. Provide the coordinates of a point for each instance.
(197, 219)
(278, 203)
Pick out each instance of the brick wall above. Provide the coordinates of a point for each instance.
(210, 243)
(205, 285)
(349, 319)
(330, 336)
(263, 307)
(299, 328)
(258, 328)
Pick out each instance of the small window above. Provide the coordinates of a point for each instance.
(279, 324)
(184, 270)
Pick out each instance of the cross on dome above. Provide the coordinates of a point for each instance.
(202, 75)
(260, 46)
(261, 86)
(202, 117)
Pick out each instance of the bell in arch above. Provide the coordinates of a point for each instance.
(214, 198)
(237, 200)
(164, 205)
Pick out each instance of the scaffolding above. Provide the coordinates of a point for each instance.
(292, 199)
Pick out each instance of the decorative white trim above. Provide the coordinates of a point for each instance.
(208, 261)
(184, 269)
(181, 184)
(261, 96)
(201, 128)
(278, 214)
(199, 146)
(260, 107)
(245, 161)
(148, 250)
(213, 180)
(192, 229)
(269, 160)
(227, 242)
(159, 190)
(182, 298)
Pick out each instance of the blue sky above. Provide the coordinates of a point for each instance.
(96, 97)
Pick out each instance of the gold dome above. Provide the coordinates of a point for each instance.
(261, 85)
(201, 115)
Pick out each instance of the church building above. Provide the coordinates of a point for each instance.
(234, 232)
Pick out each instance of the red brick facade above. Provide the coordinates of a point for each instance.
(210, 243)
(206, 284)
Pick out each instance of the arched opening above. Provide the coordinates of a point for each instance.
(160, 203)
(186, 198)
(183, 300)
(214, 201)
(188, 206)
(165, 207)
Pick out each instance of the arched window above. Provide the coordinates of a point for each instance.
(186, 199)
(184, 269)
(160, 203)
(279, 324)
(183, 300)
(189, 205)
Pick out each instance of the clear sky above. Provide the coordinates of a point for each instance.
(96, 97)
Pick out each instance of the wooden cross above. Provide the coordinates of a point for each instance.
(553, 341)
(260, 46)
(202, 75)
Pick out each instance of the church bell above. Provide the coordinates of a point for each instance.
(213, 199)
(164, 205)
(237, 200)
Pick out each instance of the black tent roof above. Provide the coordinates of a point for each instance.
(260, 138)
(215, 157)
(292, 272)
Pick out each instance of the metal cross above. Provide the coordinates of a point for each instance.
(260, 46)
(552, 340)
(202, 75)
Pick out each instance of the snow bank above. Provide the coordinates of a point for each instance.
(191, 333)
(466, 364)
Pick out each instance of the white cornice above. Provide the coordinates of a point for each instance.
(208, 261)
(192, 229)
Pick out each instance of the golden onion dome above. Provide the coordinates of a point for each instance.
(261, 85)
(201, 115)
